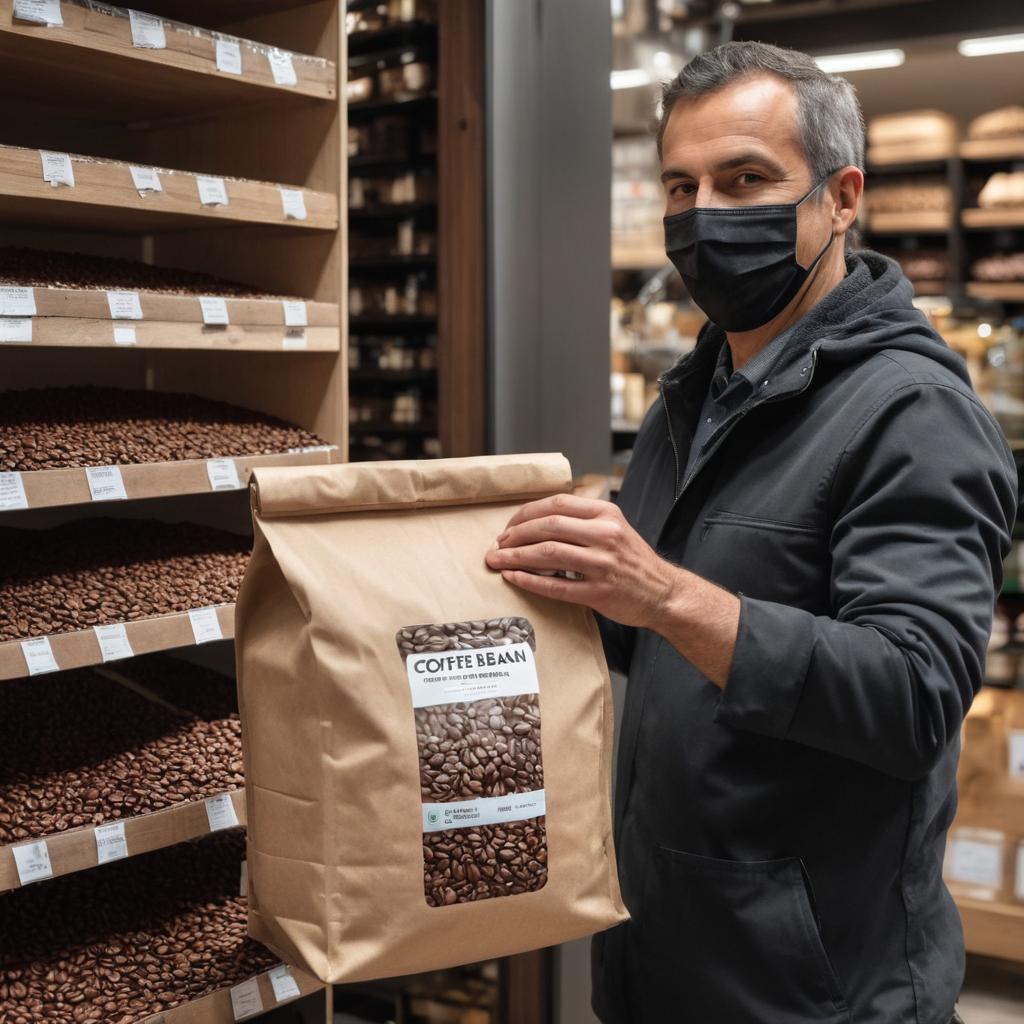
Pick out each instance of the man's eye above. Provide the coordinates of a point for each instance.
(686, 189)
(750, 178)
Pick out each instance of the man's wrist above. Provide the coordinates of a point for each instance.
(675, 610)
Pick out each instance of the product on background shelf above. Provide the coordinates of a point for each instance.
(975, 863)
(112, 753)
(95, 572)
(922, 264)
(386, 13)
(416, 296)
(438, 651)
(909, 195)
(913, 135)
(1003, 189)
(410, 187)
(1006, 122)
(1006, 266)
(56, 428)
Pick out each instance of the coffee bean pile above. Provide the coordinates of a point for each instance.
(110, 752)
(129, 939)
(98, 571)
(41, 268)
(59, 428)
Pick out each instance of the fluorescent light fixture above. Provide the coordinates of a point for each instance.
(663, 59)
(866, 60)
(985, 46)
(631, 78)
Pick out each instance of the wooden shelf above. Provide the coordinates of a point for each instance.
(993, 929)
(392, 262)
(80, 648)
(75, 850)
(90, 64)
(1008, 217)
(912, 223)
(104, 197)
(375, 375)
(1001, 291)
(638, 259)
(396, 105)
(993, 149)
(392, 323)
(390, 210)
(365, 44)
(908, 155)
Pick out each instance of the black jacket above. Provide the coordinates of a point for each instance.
(781, 841)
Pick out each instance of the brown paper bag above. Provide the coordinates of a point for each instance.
(427, 748)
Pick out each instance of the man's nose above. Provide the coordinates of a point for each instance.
(707, 196)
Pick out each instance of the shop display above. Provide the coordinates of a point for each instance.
(452, 658)
(404, 188)
(396, 75)
(923, 264)
(1007, 266)
(1004, 123)
(100, 571)
(401, 239)
(413, 297)
(367, 352)
(1003, 189)
(914, 135)
(388, 14)
(904, 195)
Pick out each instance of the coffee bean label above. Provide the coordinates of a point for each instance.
(1016, 752)
(124, 305)
(113, 641)
(215, 309)
(32, 861)
(212, 191)
(205, 625)
(110, 842)
(16, 330)
(147, 31)
(223, 474)
(293, 203)
(57, 168)
(294, 338)
(294, 313)
(246, 999)
(229, 56)
(284, 985)
(281, 67)
(12, 492)
(106, 483)
(146, 180)
(490, 811)
(18, 301)
(39, 656)
(41, 12)
(975, 862)
(125, 336)
(459, 676)
(220, 812)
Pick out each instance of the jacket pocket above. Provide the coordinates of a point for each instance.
(734, 943)
(724, 517)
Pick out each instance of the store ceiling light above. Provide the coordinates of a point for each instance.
(866, 60)
(630, 78)
(985, 46)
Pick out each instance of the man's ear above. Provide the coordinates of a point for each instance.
(847, 191)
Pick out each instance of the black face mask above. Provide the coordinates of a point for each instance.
(739, 262)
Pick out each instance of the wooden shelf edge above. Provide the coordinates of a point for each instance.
(1007, 291)
(1010, 148)
(993, 929)
(75, 850)
(997, 218)
(80, 648)
(909, 223)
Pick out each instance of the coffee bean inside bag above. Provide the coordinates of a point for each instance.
(427, 748)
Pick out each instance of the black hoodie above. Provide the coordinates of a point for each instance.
(781, 841)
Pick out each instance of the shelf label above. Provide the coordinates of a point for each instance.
(1016, 753)
(294, 312)
(220, 812)
(146, 180)
(113, 641)
(124, 305)
(215, 309)
(281, 67)
(212, 191)
(41, 12)
(12, 492)
(105, 483)
(976, 862)
(283, 984)
(229, 56)
(205, 625)
(223, 474)
(246, 1000)
(39, 656)
(57, 169)
(125, 336)
(110, 842)
(17, 301)
(293, 203)
(32, 861)
(147, 31)
(294, 338)
(15, 329)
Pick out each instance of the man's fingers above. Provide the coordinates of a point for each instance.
(548, 555)
(548, 586)
(560, 505)
(566, 529)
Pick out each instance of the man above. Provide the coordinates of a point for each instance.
(800, 584)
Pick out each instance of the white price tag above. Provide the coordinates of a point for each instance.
(105, 483)
(223, 474)
(220, 812)
(284, 985)
(12, 492)
(212, 191)
(1017, 754)
(125, 336)
(39, 656)
(15, 329)
(124, 305)
(113, 641)
(294, 312)
(57, 168)
(147, 31)
(229, 56)
(42, 12)
(215, 310)
(293, 202)
(110, 842)
(976, 863)
(205, 625)
(245, 999)
(281, 67)
(17, 301)
(146, 180)
(295, 338)
(32, 861)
